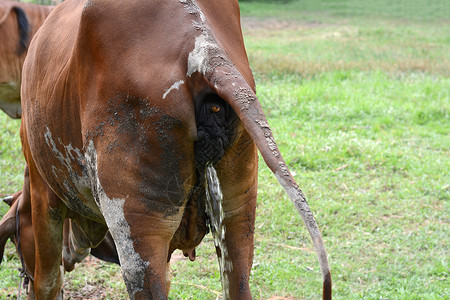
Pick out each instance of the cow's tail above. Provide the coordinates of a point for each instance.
(7, 224)
(231, 86)
(23, 26)
(24, 29)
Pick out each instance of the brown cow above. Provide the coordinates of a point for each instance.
(8, 229)
(124, 108)
(16, 224)
(19, 22)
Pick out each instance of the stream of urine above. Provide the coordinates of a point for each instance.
(214, 199)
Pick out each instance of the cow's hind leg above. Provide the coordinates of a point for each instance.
(224, 145)
(48, 213)
(142, 241)
(237, 174)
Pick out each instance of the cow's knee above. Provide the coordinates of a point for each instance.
(168, 278)
(142, 245)
(48, 214)
(48, 285)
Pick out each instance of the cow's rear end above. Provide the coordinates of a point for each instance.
(124, 106)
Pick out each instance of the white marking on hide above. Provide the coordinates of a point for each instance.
(174, 86)
(133, 266)
(87, 4)
(197, 56)
(68, 157)
(72, 182)
(193, 8)
(205, 43)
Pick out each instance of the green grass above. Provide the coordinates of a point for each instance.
(11, 157)
(345, 10)
(374, 162)
(358, 97)
(331, 43)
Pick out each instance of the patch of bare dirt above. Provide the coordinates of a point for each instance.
(94, 287)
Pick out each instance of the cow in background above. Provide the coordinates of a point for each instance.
(19, 22)
(16, 225)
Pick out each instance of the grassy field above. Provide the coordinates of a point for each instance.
(358, 96)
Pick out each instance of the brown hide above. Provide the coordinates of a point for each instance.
(110, 97)
(16, 19)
